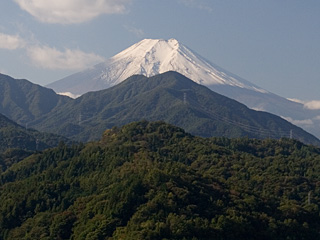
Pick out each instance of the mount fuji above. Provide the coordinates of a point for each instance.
(150, 57)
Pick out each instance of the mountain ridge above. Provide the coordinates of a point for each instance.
(23, 101)
(173, 98)
(170, 97)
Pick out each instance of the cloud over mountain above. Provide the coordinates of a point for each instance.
(51, 58)
(11, 42)
(71, 11)
(47, 57)
(313, 105)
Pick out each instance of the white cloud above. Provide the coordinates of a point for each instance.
(51, 58)
(296, 100)
(71, 11)
(11, 42)
(312, 105)
(259, 109)
(69, 94)
(196, 4)
(302, 122)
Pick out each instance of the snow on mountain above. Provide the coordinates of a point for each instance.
(150, 57)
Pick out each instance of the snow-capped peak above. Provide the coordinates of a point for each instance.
(150, 57)
(154, 56)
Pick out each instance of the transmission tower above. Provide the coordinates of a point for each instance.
(37, 144)
(80, 119)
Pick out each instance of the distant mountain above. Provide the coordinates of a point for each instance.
(150, 57)
(152, 180)
(173, 98)
(23, 101)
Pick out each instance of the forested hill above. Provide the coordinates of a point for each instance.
(23, 101)
(17, 142)
(12, 135)
(151, 180)
(170, 97)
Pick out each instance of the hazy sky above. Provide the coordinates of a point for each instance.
(272, 43)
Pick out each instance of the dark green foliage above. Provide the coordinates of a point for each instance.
(154, 181)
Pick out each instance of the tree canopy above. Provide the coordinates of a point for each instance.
(152, 180)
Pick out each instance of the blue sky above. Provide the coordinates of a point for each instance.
(274, 44)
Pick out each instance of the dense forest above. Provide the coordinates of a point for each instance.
(152, 180)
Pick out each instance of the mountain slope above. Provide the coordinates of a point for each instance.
(23, 101)
(150, 57)
(154, 181)
(170, 97)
